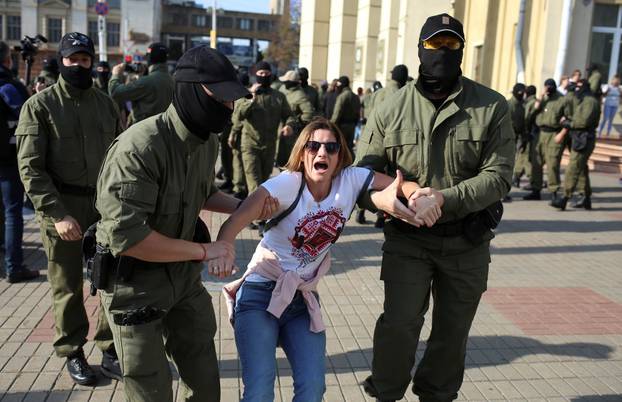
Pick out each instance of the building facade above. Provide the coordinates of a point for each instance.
(187, 24)
(364, 39)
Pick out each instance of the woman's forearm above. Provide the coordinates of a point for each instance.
(247, 212)
(382, 181)
(159, 248)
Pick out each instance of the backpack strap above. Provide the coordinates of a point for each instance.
(368, 180)
(275, 221)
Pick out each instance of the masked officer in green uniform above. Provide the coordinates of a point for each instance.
(549, 109)
(517, 114)
(399, 76)
(150, 94)
(312, 94)
(302, 110)
(582, 120)
(595, 79)
(240, 190)
(102, 76)
(525, 152)
(48, 75)
(260, 118)
(62, 137)
(155, 180)
(347, 111)
(453, 136)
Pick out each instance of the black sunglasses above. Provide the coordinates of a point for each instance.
(331, 147)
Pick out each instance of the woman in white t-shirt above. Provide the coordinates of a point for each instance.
(275, 302)
(611, 92)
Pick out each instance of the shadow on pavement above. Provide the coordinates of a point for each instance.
(524, 226)
(482, 351)
(592, 248)
(597, 398)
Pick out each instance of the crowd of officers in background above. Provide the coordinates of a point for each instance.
(561, 117)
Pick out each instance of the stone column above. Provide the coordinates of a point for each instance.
(78, 19)
(387, 39)
(341, 38)
(366, 49)
(313, 54)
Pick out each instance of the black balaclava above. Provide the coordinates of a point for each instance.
(376, 86)
(582, 89)
(291, 84)
(551, 86)
(77, 76)
(304, 76)
(51, 66)
(156, 53)
(399, 74)
(200, 113)
(439, 69)
(103, 76)
(519, 91)
(265, 81)
(530, 90)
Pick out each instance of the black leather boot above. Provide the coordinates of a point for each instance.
(111, 367)
(560, 202)
(554, 199)
(79, 369)
(583, 202)
(360, 217)
(534, 195)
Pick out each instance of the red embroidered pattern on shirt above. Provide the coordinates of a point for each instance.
(315, 232)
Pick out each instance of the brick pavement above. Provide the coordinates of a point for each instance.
(549, 327)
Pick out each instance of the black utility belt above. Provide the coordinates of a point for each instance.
(448, 229)
(549, 129)
(64, 188)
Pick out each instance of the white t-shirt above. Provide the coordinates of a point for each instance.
(302, 238)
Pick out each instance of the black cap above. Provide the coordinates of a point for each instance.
(157, 53)
(399, 73)
(441, 23)
(208, 66)
(263, 65)
(344, 81)
(550, 82)
(76, 42)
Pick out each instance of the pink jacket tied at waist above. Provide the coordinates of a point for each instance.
(287, 282)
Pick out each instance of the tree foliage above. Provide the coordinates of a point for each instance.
(285, 42)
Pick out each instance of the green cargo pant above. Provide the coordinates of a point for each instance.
(65, 275)
(548, 153)
(226, 157)
(577, 171)
(522, 166)
(258, 165)
(455, 273)
(348, 132)
(185, 334)
(239, 178)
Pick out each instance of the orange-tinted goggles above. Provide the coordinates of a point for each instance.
(439, 41)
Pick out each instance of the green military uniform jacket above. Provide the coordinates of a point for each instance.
(380, 95)
(517, 114)
(595, 82)
(150, 95)
(530, 113)
(585, 113)
(347, 108)
(465, 149)
(156, 176)
(302, 109)
(550, 112)
(62, 137)
(312, 96)
(261, 117)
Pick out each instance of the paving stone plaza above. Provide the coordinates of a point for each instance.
(549, 328)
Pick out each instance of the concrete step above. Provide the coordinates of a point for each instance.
(606, 158)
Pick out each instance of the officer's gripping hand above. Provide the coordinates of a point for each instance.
(387, 201)
(426, 209)
(222, 267)
(287, 131)
(429, 212)
(68, 229)
(270, 206)
(218, 249)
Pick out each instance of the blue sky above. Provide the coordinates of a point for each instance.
(254, 6)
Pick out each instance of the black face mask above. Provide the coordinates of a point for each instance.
(265, 81)
(439, 69)
(519, 95)
(550, 90)
(200, 113)
(77, 76)
(291, 84)
(104, 77)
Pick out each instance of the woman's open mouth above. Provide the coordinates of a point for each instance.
(320, 167)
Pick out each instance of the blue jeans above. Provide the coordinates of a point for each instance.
(609, 113)
(13, 199)
(257, 334)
